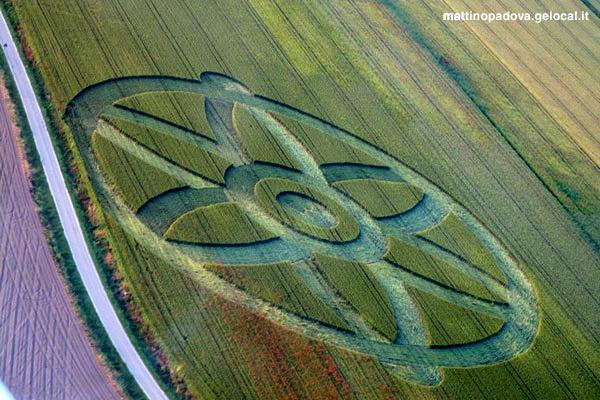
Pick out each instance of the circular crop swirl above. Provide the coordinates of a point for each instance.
(297, 210)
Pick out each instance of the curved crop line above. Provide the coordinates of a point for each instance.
(296, 222)
(428, 212)
(293, 147)
(390, 271)
(159, 162)
(410, 327)
(460, 264)
(498, 347)
(219, 117)
(184, 135)
(216, 246)
(158, 214)
(369, 245)
(327, 219)
(323, 290)
(410, 349)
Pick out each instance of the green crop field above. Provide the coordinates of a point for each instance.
(348, 199)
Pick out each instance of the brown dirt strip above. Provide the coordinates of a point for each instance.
(44, 351)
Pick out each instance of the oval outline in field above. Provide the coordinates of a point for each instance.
(423, 361)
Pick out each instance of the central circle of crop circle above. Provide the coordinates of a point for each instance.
(307, 208)
(270, 192)
(354, 235)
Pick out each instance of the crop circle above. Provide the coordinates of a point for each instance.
(337, 227)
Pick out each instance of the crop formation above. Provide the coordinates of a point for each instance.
(306, 203)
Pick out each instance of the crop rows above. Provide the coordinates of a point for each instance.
(362, 290)
(281, 285)
(247, 354)
(381, 198)
(185, 110)
(181, 153)
(417, 261)
(453, 235)
(363, 68)
(45, 352)
(258, 143)
(267, 192)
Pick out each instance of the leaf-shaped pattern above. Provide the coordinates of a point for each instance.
(222, 223)
(323, 149)
(381, 198)
(135, 181)
(192, 158)
(258, 141)
(452, 234)
(185, 110)
(449, 324)
(419, 262)
(362, 290)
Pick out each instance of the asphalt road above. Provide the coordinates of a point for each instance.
(70, 223)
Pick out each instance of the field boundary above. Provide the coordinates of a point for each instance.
(56, 237)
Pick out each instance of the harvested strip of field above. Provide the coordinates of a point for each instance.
(44, 351)
(558, 62)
